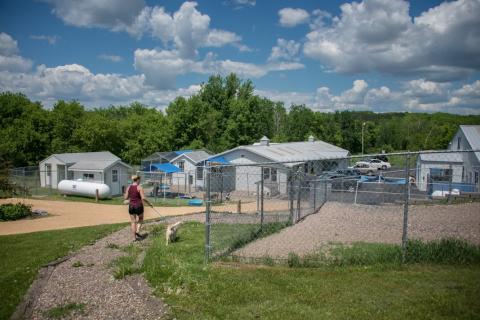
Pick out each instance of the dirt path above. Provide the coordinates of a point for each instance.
(67, 214)
(86, 278)
(346, 223)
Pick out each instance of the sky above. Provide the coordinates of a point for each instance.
(376, 55)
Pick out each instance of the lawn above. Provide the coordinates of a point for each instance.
(22, 255)
(235, 291)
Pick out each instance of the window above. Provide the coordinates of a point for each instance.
(88, 176)
(459, 140)
(273, 173)
(181, 165)
(476, 177)
(266, 173)
(48, 167)
(114, 175)
(438, 174)
(199, 173)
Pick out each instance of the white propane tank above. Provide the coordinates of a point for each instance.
(84, 188)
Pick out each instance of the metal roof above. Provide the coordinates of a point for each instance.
(99, 165)
(293, 153)
(86, 156)
(195, 156)
(472, 134)
(156, 155)
(442, 157)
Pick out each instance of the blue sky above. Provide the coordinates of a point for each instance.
(379, 55)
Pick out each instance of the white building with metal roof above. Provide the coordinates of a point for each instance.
(190, 174)
(462, 168)
(242, 169)
(103, 167)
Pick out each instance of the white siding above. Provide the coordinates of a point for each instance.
(46, 181)
(423, 170)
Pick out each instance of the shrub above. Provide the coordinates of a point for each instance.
(16, 211)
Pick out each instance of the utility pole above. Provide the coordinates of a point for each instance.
(363, 127)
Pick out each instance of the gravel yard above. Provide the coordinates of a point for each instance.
(346, 223)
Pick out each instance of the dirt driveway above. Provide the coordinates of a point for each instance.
(65, 214)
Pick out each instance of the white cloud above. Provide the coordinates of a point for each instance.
(9, 60)
(290, 17)
(427, 97)
(354, 96)
(442, 44)
(161, 67)
(239, 4)
(75, 82)
(110, 57)
(8, 46)
(112, 14)
(50, 39)
(187, 29)
(285, 50)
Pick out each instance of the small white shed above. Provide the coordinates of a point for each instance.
(103, 167)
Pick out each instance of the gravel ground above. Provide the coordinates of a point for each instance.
(93, 284)
(347, 223)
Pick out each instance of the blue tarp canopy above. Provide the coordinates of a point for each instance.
(219, 159)
(164, 167)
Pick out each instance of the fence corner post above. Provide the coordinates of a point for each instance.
(207, 216)
(261, 198)
(405, 207)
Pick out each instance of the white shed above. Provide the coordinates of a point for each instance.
(103, 167)
(459, 170)
(191, 174)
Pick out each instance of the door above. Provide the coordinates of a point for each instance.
(60, 173)
(115, 182)
(48, 175)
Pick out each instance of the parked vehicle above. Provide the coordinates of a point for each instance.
(377, 163)
(380, 164)
(364, 167)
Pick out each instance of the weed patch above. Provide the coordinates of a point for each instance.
(62, 311)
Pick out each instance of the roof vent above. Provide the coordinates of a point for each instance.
(264, 141)
(311, 139)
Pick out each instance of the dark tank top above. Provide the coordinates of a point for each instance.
(134, 195)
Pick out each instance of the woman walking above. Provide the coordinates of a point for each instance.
(136, 197)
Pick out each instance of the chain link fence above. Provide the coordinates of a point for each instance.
(383, 198)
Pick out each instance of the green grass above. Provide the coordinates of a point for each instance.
(22, 255)
(235, 291)
(228, 237)
(65, 310)
(127, 265)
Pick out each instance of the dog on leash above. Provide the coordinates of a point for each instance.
(171, 233)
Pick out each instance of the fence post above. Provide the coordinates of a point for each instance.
(314, 195)
(449, 199)
(405, 208)
(298, 198)
(207, 216)
(326, 191)
(261, 199)
(291, 194)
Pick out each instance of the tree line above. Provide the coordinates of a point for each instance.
(225, 113)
